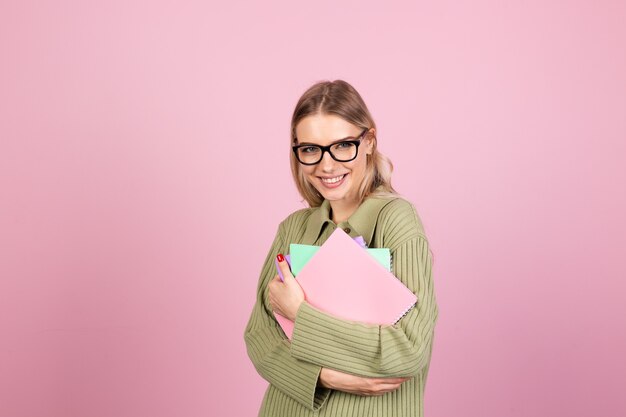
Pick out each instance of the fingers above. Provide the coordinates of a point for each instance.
(284, 266)
(395, 380)
(382, 389)
(274, 282)
(273, 285)
(382, 381)
(362, 385)
(381, 386)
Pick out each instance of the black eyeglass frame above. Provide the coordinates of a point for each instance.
(355, 142)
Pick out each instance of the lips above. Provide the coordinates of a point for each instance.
(333, 185)
(332, 180)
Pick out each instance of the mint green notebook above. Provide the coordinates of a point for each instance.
(301, 254)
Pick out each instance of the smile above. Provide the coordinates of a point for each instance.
(333, 180)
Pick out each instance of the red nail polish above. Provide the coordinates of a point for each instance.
(280, 257)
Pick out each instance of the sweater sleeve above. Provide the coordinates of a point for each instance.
(270, 352)
(369, 350)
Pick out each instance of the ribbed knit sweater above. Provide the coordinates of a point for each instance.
(319, 339)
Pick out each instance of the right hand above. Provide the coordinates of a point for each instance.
(359, 385)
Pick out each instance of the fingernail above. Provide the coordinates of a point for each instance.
(280, 257)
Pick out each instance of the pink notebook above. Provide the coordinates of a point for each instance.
(342, 279)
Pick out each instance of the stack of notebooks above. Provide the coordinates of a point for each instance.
(346, 279)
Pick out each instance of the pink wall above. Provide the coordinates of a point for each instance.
(129, 255)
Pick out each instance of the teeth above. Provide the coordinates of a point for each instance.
(333, 180)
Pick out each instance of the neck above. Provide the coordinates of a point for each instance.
(342, 210)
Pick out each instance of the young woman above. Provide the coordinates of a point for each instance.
(335, 367)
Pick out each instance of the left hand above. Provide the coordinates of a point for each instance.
(285, 297)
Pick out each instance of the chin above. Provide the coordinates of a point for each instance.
(333, 196)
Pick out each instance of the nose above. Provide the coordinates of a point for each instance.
(327, 164)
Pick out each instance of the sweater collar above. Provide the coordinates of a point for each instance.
(361, 223)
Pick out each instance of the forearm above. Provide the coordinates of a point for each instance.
(358, 348)
(375, 350)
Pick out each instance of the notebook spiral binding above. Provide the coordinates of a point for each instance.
(411, 306)
(405, 312)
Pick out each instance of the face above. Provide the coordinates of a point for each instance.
(324, 130)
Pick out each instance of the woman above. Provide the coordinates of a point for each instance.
(335, 367)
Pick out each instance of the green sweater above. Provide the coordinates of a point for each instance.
(320, 340)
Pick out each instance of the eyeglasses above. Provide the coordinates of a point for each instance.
(343, 151)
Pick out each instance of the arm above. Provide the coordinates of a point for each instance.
(373, 350)
(269, 351)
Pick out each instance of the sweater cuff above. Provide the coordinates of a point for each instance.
(296, 378)
(307, 383)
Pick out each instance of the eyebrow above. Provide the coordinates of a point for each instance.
(335, 141)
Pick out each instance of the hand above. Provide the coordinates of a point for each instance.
(359, 385)
(285, 297)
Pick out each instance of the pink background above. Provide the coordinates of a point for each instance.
(144, 170)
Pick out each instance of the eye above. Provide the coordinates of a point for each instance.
(309, 149)
(342, 145)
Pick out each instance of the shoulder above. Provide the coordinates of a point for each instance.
(399, 221)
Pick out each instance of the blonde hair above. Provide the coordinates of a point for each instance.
(341, 99)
